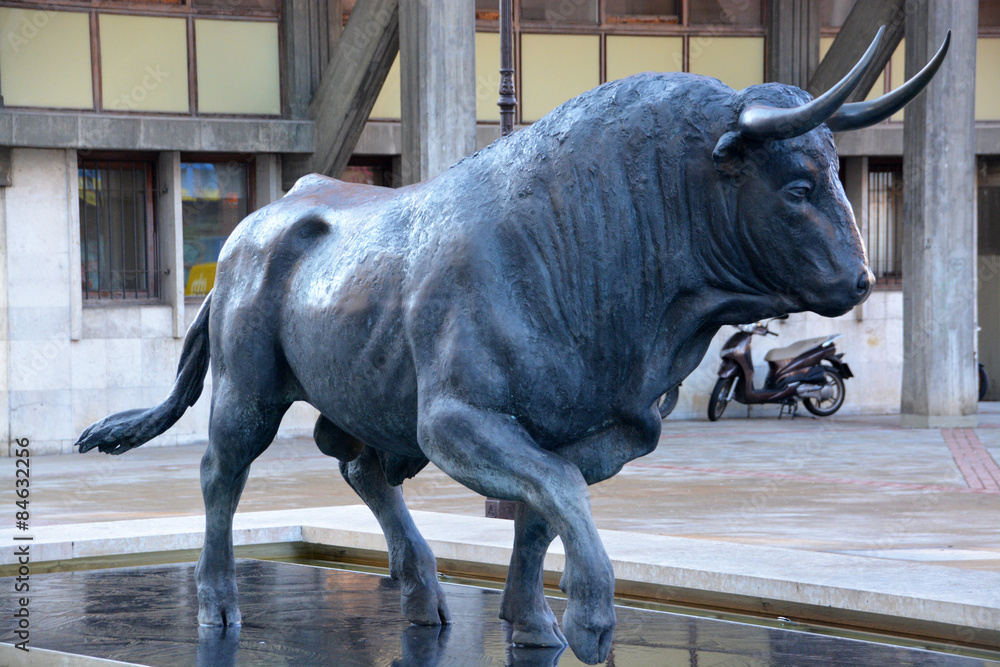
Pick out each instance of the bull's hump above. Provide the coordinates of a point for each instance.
(319, 190)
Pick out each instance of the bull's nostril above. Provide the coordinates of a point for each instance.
(863, 283)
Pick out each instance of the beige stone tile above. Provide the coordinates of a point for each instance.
(89, 364)
(123, 322)
(124, 362)
(39, 365)
(43, 416)
(89, 406)
(38, 279)
(38, 323)
(156, 321)
(159, 365)
(95, 321)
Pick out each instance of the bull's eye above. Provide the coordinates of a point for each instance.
(798, 190)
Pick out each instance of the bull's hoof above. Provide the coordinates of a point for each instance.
(426, 605)
(543, 636)
(217, 608)
(518, 656)
(589, 637)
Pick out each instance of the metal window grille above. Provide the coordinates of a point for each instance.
(118, 244)
(884, 231)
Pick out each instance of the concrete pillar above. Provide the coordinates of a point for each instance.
(792, 41)
(939, 237)
(4, 331)
(855, 175)
(437, 44)
(267, 179)
(170, 221)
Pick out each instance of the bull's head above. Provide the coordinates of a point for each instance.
(796, 223)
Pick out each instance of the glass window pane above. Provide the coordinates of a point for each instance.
(488, 10)
(987, 81)
(725, 12)
(989, 13)
(237, 67)
(833, 13)
(271, 5)
(559, 11)
(736, 61)
(215, 198)
(45, 59)
(556, 68)
(628, 55)
(487, 76)
(144, 63)
(641, 11)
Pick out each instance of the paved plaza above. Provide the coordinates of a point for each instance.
(858, 485)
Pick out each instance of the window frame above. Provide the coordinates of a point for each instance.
(250, 160)
(894, 165)
(153, 293)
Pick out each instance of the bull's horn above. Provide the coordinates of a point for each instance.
(764, 122)
(862, 114)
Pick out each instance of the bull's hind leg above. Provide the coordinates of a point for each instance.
(523, 604)
(493, 455)
(411, 561)
(240, 429)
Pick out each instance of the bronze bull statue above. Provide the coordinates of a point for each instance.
(515, 319)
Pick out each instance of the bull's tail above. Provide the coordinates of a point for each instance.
(127, 430)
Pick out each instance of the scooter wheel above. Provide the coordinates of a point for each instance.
(666, 403)
(718, 401)
(825, 407)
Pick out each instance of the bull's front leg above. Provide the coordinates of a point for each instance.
(493, 455)
(598, 457)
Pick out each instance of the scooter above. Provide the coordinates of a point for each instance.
(810, 370)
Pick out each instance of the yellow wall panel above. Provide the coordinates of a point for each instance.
(143, 63)
(897, 75)
(627, 55)
(487, 76)
(237, 67)
(556, 68)
(988, 79)
(387, 104)
(45, 59)
(736, 61)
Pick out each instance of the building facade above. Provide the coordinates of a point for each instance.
(135, 135)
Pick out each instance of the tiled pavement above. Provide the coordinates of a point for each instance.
(847, 484)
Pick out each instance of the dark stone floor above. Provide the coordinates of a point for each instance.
(300, 616)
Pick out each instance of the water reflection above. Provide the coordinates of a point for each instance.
(297, 616)
(217, 646)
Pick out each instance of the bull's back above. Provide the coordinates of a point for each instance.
(330, 263)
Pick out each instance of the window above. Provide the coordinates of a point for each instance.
(642, 11)
(118, 245)
(726, 12)
(214, 199)
(884, 229)
(370, 170)
(563, 11)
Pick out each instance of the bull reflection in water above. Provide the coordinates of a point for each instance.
(514, 319)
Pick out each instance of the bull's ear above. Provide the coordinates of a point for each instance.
(730, 154)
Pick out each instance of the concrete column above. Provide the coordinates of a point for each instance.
(4, 331)
(267, 179)
(171, 226)
(855, 173)
(437, 44)
(792, 41)
(939, 237)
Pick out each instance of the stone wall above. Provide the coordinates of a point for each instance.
(126, 355)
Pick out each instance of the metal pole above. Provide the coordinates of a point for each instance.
(505, 509)
(507, 101)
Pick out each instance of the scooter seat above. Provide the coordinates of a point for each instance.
(795, 349)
